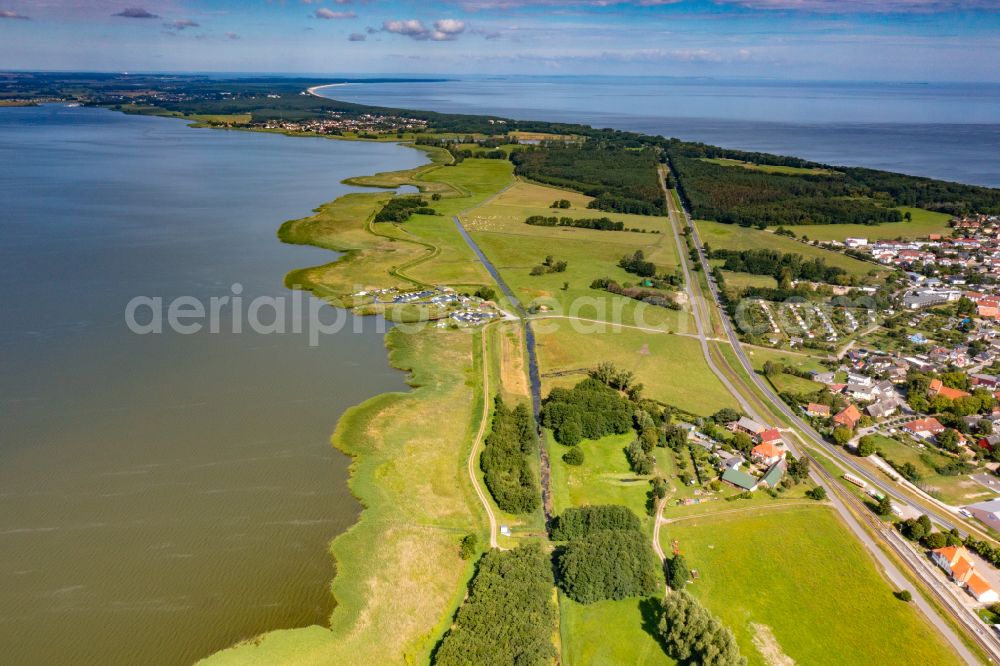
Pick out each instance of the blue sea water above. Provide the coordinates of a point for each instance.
(942, 130)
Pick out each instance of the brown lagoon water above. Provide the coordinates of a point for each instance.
(164, 496)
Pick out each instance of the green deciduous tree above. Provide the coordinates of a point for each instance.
(609, 564)
(508, 617)
(677, 572)
(693, 635)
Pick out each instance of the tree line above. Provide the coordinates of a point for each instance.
(597, 223)
(504, 460)
(782, 266)
(650, 296)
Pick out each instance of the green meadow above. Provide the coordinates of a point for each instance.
(795, 586)
(735, 237)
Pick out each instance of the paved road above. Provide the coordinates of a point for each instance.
(834, 492)
(939, 512)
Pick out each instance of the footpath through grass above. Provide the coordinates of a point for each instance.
(793, 582)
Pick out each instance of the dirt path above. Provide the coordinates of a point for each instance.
(477, 443)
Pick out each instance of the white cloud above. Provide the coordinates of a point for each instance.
(330, 15)
(443, 30)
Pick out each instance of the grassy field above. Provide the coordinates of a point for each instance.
(794, 582)
(735, 237)
(770, 168)
(515, 248)
(758, 357)
(409, 473)
(671, 367)
(741, 281)
(603, 478)
(611, 632)
(956, 490)
(924, 222)
(427, 249)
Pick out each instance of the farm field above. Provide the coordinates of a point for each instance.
(923, 222)
(671, 367)
(735, 237)
(955, 490)
(783, 580)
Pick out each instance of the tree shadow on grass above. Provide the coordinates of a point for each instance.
(651, 610)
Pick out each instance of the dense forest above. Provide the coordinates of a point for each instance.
(621, 179)
(509, 616)
(735, 195)
(504, 459)
(781, 266)
(848, 195)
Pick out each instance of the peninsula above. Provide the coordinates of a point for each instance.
(664, 408)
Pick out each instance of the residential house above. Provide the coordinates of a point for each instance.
(817, 410)
(983, 380)
(883, 408)
(748, 426)
(937, 388)
(849, 417)
(768, 453)
(859, 392)
(823, 377)
(771, 435)
(859, 379)
(732, 462)
(956, 562)
(989, 442)
(981, 590)
(924, 428)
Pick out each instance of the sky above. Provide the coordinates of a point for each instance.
(881, 40)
